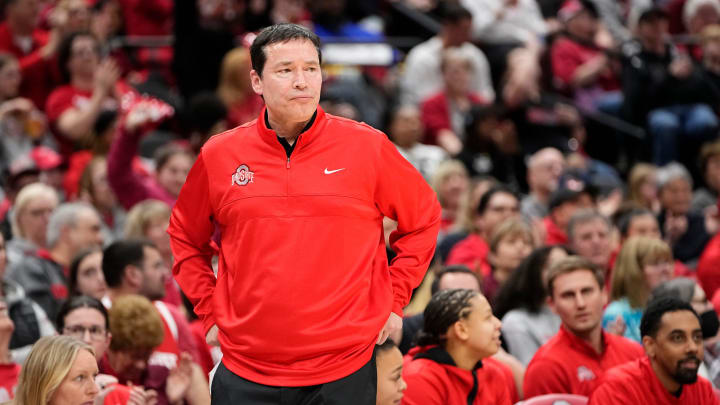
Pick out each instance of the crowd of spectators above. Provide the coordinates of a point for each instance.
(570, 143)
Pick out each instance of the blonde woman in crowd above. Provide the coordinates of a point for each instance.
(643, 264)
(450, 182)
(60, 370)
(642, 187)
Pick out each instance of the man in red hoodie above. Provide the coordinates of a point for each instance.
(673, 341)
(303, 289)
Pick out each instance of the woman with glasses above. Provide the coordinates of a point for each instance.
(86, 319)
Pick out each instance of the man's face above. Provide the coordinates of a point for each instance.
(88, 325)
(675, 196)
(579, 301)
(290, 82)
(86, 231)
(677, 348)
(154, 274)
(34, 217)
(500, 207)
(644, 225)
(546, 171)
(591, 240)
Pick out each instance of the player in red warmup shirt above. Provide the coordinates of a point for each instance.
(575, 359)
(673, 340)
(459, 332)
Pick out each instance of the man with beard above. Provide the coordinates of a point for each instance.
(673, 341)
(576, 358)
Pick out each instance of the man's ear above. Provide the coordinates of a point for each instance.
(132, 275)
(256, 82)
(650, 346)
(551, 303)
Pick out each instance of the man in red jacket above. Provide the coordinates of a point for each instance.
(573, 361)
(303, 289)
(673, 341)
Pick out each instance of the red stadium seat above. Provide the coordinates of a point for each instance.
(556, 399)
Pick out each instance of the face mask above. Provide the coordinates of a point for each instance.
(710, 323)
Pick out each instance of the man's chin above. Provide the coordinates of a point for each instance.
(686, 375)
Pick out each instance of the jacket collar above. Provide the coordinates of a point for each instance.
(308, 135)
(577, 344)
(441, 356)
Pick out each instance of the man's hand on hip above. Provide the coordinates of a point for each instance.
(212, 336)
(392, 326)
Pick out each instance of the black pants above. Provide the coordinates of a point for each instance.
(359, 388)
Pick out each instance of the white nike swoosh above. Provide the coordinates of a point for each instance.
(332, 171)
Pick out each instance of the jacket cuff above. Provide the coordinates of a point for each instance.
(398, 308)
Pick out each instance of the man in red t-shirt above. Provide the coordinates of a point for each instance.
(673, 341)
(573, 361)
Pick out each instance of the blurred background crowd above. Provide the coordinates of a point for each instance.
(546, 127)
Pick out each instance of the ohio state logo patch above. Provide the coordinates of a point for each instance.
(585, 374)
(242, 176)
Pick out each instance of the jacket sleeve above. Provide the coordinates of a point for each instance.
(129, 187)
(190, 230)
(544, 377)
(403, 195)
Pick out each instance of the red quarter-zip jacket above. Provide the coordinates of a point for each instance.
(303, 284)
(636, 383)
(568, 365)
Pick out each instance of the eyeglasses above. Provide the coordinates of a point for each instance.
(78, 331)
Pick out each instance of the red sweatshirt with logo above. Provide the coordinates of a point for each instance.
(567, 364)
(636, 383)
(303, 285)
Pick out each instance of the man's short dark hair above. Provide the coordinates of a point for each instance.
(650, 322)
(485, 199)
(456, 268)
(121, 254)
(275, 34)
(454, 13)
